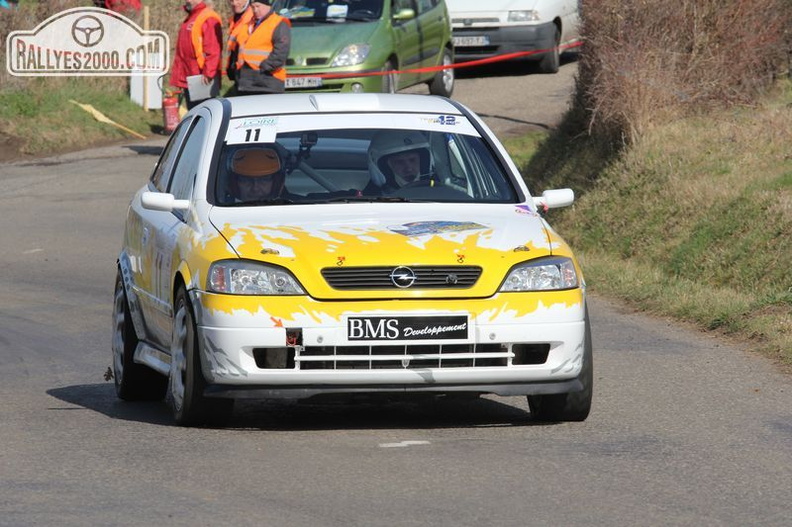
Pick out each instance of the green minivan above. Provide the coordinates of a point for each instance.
(368, 45)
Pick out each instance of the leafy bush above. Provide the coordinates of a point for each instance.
(654, 60)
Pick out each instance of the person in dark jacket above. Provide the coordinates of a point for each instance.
(262, 53)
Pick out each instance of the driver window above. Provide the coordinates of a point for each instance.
(187, 166)
(162, 172)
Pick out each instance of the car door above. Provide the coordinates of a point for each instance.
(170, 225)
(570, 20)
(433, 25)
(407, 39)
(141, 232)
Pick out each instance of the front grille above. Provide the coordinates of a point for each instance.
(434, 277)
(471, 21)
(476, 50)
(402, 357)
(310, 61)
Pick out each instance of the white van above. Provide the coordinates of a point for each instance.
(536, 30)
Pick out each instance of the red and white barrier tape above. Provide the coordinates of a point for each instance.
(479, 62)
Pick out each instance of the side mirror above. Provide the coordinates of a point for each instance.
(403, 15)
(163, 202)
(553, 199)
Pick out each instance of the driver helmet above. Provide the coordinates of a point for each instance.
(389, 142)
(255, 163)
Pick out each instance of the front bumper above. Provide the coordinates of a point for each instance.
(517, 343)
(504, 40)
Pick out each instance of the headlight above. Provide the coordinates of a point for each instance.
(351, 55)
(239, 277)
(523, 16)
(545, 274)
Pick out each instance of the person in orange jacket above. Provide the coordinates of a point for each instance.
(238, 22)
(262, 54)
(198, 49)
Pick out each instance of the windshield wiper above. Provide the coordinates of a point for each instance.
(367, 199)
(320, 20)
(258, 202)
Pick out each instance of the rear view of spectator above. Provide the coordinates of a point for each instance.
(125, 7)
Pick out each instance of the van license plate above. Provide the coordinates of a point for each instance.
(471, 41)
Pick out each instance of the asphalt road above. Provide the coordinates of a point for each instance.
(685, 429)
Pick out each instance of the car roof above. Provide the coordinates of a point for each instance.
(286, 103)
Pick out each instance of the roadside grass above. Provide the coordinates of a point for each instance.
(40, 116)
(693, 221)
(35, 113)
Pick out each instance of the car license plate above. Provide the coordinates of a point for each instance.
(303, 82)
(466, 42)
(451, 327)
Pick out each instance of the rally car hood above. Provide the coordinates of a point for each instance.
(307, 239)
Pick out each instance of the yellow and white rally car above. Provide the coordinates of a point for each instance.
(296, 245)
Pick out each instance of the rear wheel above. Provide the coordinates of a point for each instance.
(551, 62)
(133, 382)
(443, 81)
(572, 406)
(186, 382)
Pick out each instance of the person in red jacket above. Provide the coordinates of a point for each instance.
(129, 7)
(262, 55)
(198, 50)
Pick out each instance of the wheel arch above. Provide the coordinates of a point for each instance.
(124, 265)
(181, 278)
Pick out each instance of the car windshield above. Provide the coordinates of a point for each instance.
(361, 165)
(330, 11)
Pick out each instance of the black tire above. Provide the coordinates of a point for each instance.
(443, 81)
(390, 81)
(551, 61)
(186, 382)
(573, 406)
(133, 382)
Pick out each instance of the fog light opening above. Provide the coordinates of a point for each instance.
(530, 354)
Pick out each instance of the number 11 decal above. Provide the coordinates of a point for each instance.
(255, 132)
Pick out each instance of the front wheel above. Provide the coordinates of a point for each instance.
(443, 81)
(573, 406)
(551, 62)
(186, 382)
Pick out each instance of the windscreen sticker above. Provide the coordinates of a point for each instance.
(420, 228)
(337, 10)
(252, 130)
(298, 12)
(443, 120)
(525, 209)
(270, 126)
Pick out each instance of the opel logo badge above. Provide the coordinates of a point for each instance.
(403, 277)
